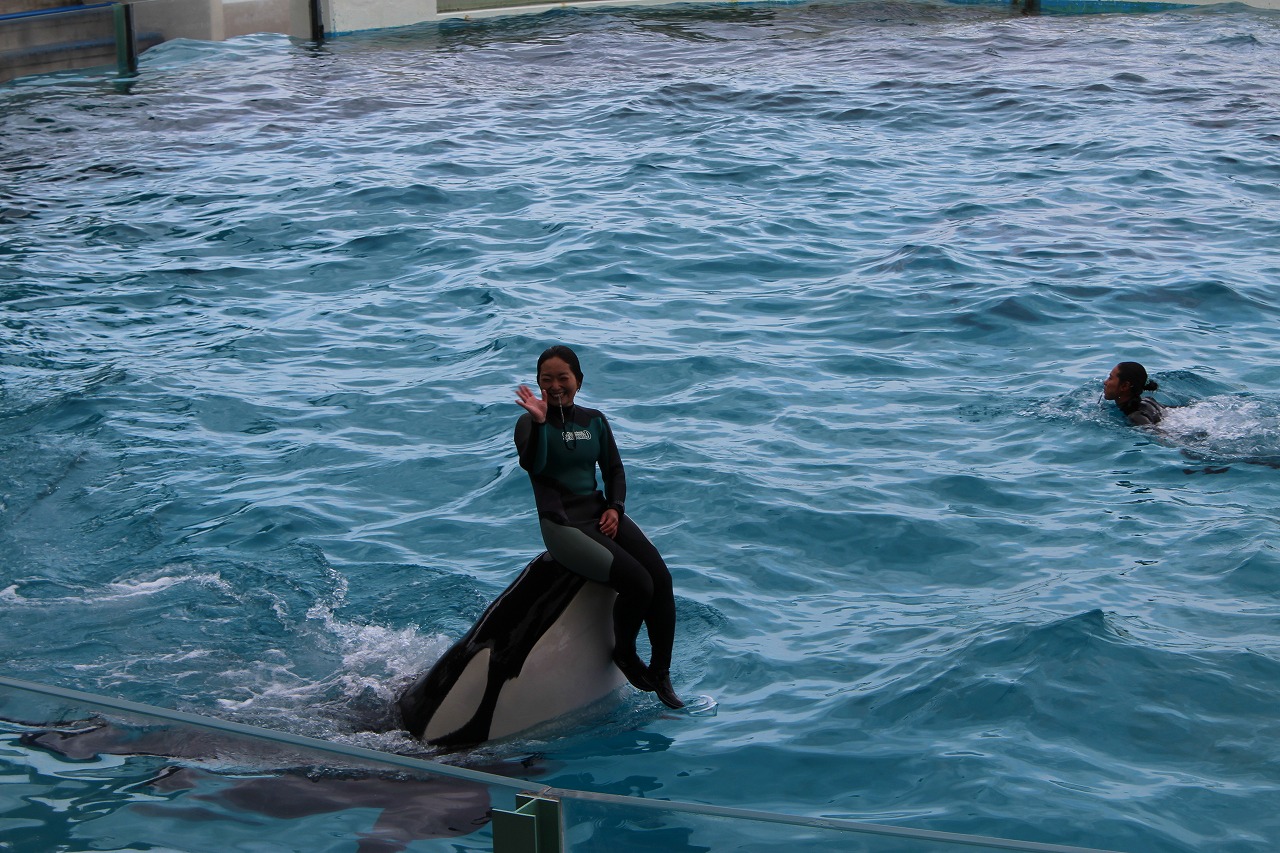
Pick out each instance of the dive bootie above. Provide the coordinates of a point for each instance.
(662, 686)
(634, 669)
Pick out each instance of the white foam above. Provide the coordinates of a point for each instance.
(1224, 425)
(118, 590)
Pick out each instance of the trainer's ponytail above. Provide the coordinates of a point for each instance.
(1135, 376)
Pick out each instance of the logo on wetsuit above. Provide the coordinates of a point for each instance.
(579, 435)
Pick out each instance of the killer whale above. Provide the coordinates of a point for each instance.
(544, 647)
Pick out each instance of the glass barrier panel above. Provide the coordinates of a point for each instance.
(87, 772)
(602, 824)
(79, 775)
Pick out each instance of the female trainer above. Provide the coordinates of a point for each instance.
(561, 444)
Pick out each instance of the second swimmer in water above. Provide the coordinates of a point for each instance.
(1125, 385)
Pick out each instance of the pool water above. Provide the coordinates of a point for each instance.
(846, 278)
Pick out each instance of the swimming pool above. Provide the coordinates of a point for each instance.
(846, 278)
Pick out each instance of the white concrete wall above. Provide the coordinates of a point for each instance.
(348, 16)
(216, 20)
(243, 17)
(172, 19)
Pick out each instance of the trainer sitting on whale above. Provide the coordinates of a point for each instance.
(561, 444)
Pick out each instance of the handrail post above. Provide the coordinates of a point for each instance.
(126, 46)
(316, 12)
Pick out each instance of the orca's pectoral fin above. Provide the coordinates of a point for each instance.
(419, 702)
(476, 729)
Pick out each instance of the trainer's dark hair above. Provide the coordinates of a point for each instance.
(1132, 374)
(570, 358)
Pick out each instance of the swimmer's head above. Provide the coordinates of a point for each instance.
(559, 375)
(566, 355)
(1127, 379)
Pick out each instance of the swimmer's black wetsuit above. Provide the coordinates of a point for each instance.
(561, 458)
(1144, 411)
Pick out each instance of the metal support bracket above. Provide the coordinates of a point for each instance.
(534, 826)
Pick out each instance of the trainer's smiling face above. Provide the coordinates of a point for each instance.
(558, 384)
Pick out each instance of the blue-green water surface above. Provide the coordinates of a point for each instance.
(846, 279)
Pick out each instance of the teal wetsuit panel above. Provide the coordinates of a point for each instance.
(562, 458)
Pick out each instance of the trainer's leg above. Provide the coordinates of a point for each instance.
(660, 618)
(577, 551)
(591, 554)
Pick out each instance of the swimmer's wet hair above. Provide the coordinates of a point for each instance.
(1135, 376)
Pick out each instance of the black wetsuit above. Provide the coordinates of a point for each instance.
(1142, 411)
(561, 458)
